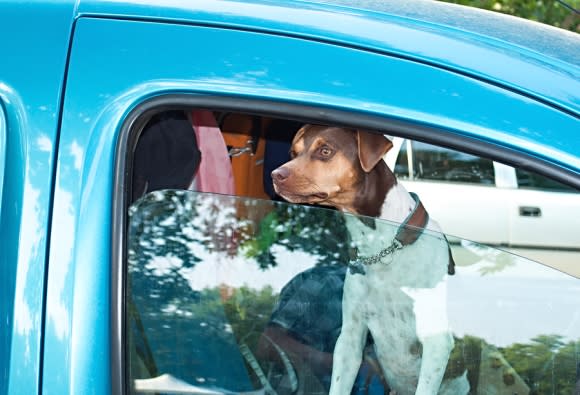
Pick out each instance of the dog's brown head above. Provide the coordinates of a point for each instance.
(336, 167)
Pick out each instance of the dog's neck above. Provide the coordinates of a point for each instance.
(373, 190)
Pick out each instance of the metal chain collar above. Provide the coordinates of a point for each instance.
(356, 265)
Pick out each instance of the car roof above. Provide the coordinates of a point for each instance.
(536, 60)
(544, 39)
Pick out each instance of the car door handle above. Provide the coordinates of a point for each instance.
(530, 211)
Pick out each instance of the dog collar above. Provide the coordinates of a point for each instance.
(409, 231)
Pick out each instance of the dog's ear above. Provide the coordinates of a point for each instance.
(300, 133)
(371, 148)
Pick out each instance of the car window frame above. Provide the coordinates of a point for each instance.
(137, 118)
(3, 132)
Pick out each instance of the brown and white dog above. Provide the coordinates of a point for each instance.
(398, 293)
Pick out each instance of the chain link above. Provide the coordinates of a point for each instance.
(357, 264)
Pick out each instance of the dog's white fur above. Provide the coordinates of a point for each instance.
(402, 304)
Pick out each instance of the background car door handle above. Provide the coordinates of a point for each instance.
(529, 211)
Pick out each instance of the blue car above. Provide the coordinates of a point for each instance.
(145, 250)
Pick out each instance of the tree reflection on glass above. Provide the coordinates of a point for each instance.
(198, 295)
(173, 232)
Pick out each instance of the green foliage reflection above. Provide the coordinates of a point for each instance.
(547, 364)
(550, 12)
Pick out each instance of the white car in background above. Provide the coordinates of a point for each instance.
(488, 202)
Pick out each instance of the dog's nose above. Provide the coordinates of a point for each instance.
(280, 174)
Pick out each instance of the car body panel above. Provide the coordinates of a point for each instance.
(31, 79)
(444, 203)
(495, 214)
(439, 45)
(2, 148)
(417, 29)
(555, 210)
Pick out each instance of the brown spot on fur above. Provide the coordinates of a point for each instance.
(508, 378)
(416, 348)
(373, 189)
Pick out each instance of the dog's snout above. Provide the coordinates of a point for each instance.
(280, 174)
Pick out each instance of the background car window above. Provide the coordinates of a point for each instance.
(430, 162)
(531, 180)
(402, 168)
(232, 295)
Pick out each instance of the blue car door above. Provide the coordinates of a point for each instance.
(121, 68)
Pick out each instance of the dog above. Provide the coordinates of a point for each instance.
(395, 287)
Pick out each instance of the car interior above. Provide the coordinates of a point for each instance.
(167, 155)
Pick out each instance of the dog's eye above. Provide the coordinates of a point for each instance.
(325, 151)
(293, 154)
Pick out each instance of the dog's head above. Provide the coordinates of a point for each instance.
(336, 167)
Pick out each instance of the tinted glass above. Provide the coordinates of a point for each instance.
(402, 170)
(239, 295)
(442, 164)
(531, 180)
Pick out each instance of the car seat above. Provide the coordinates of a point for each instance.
(166, 155)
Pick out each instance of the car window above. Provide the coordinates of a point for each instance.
(244, 295)
(433, 163)
(230, 289)
(529, 180)
(402, 168)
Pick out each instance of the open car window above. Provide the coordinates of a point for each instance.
(244, 295)
(230, 289)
